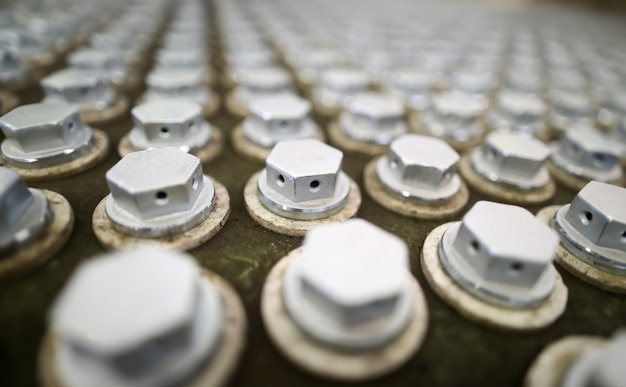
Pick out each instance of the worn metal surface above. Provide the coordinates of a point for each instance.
(457, 352)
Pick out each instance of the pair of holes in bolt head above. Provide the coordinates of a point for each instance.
(314, 185)
(515, 267)
(586, 217)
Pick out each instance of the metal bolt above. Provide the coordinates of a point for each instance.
(474, 82)
(414, 86)
(277, 118)
(519, 112)
(502, 254)
(454, 115)
(420, 167)
(350, 275)
(140, 332)
(374, 118)
(585, 153)
(336, 85)
(176, 123)
(158, 192)
(303, 179)
(44, 134)
(602, 367)
(174, 58)
(261, 82)
(86, 89)
(180, 83)
(512, 160)
(24, 212)
(525, 81)
(108, 62)
(593, 226)
(11, 67)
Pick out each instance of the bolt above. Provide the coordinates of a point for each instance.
(455, 115)
(474, 82)
(279, 117)
(159, 191)
(44, 134)
(24, 212)
(350, 275)
(511, 159)
(183, 83)
(602, 367)
(303, 179)
(420, 167)
(162, 123)
(501, 253)
(84, 88)
(149, 331)
(519, 112)
(336, 85)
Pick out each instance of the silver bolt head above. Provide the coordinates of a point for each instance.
(75, 85)
(90, 58)
(598, 212)
(457, 104)
(376, 111)
(513, 154)
(422, 161)
(354, 271)
(119, 324)
(157, 182)
(263, 79)
(280, 113)
(167, 121)
(585, 146)
(171, 78)
(303, 170)
(15, 200)
(505, 244)
(345, 80)
(43, 126)
(521, 107)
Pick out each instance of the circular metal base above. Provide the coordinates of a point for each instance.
(502, 193)
(327, 361)
(580, 269)
(93, 157)
(407, 207)
(295, 227)
(47, 244)
(483, 312)
(216, 370)
(111, 238)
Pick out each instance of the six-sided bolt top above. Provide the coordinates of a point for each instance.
(156, 182)
(345, 79)
(376, 107)
(15, 199)
(586, 146)
(411, 80)
(598, 212)
(352, 265)
(42, 126)
(303, 170)
(263, 78)
(167, 120)
(422, 160)
(505, 243)
(71, 80)
(521, 106)
(457, 104)
(515, 154)
(117, 302)
(280, 109)
(169, 78)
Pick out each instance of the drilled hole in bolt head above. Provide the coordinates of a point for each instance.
(474, 247)
(70, 126)
(517, 267)
(586, 217)
(164, 131)
(280, 180)
(194, 183)
(315, 185)
(161, 197)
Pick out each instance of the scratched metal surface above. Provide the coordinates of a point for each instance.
(456, 352)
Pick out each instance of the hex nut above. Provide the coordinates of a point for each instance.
(158, 192)
(275, 118)
(599, 366)
(260, 82)
(44, 134)
(85, 89)
(159, 328)
(414, 86)
(373, 118)
(176, 123)
(421, 168)
(593, 226)
(454, 115)
(512, 160)
(501, 254)
(25, 212)
(351, 285)
(587, 154)
(303, 179)
(519, 112)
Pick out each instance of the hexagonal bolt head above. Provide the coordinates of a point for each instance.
(303, 170)
(456, 108)
(263, 80)
(345, 80)
(410, 80)
(513, 154)
(93, 317)
(372, 111)
(76, 85)
(585, 146)
(521, 108)
(354, 271)
(422, 161)
(505, 243)
(167, 121)
(571, 103)
(43, 126)
(15, 199)
(283, 113)
(158, 182)
(598, 212)
(176, 80)
(90, 58)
